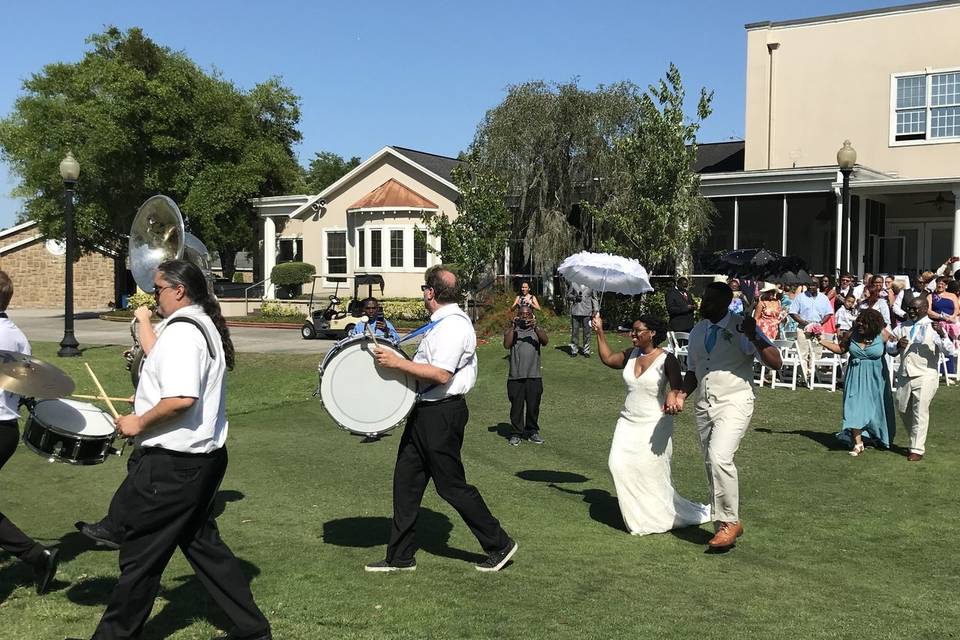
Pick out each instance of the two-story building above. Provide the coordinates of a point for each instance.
(888, 80)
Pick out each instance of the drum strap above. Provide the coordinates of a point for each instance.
(3, 314)
(206, 338)
(424, 329)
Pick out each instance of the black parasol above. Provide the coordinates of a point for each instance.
(758, 264)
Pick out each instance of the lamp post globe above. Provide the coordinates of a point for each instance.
(69, 172)
(846, 160)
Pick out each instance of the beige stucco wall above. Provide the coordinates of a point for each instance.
(832, 81)
(38, 276)
(399, 282)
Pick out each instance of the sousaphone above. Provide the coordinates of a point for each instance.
(159, 234)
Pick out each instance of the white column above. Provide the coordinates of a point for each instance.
(506, 261)
(269, 254)
(736, 223)
(839, 242)
(849, 228)
(861, 247)
(784, 247)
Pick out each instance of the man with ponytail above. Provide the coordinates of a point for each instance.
(179, 426)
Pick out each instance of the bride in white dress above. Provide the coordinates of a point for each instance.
(643, 441)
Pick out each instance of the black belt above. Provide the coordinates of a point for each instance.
(433, 403)
(160, 451)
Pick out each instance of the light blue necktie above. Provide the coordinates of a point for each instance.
(711, 340)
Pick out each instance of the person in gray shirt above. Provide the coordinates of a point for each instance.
(583, 304)
(524, 382)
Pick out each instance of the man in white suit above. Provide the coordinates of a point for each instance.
(918, 342)
(720, 358)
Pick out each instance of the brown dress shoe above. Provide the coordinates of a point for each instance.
(727, 535)
(914, 457)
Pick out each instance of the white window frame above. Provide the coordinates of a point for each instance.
(326, 254)
(362, 249)
(892, 105)
(413, 246)
(385, 239)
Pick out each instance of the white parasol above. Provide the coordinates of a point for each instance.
(606, 272)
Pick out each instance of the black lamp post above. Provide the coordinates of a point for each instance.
(69, 171)
(846, 159)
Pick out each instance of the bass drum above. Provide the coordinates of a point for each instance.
(361, 397)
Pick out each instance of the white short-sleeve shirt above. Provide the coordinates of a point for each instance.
(450, 345)
(179, 365)
(11, 339)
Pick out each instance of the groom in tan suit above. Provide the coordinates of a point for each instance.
(721, 351)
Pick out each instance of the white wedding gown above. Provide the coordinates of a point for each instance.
(640, 457)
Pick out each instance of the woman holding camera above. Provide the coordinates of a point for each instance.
(642, 447)
(525, 297)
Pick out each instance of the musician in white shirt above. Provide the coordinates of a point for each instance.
(12, 539)
(445, 367)
(180, 428)
(919, 343)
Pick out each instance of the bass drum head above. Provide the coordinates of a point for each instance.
(74, 418)
(360, 396)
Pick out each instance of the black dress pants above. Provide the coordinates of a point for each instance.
(165, 503)
(430, 448)
(12, 539)
(524, 395)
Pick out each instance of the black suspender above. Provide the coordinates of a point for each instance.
(206, 338)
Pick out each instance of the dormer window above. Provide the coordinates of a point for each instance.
(926, 106)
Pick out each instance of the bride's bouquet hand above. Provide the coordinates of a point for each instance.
(674, 403)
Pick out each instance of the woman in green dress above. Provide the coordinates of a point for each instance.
(867, 398)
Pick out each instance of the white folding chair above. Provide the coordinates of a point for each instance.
(681, 340)
(948, 378)
(791, 363)
(671, 345)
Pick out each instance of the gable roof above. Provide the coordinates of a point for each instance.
(392, 195)
(719, 157)
(442, 166)
(409, 156)
(853, 15)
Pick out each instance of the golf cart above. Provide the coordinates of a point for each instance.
(334, 321)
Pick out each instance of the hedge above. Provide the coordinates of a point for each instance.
(290, 274)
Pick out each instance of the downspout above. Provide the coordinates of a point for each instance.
(771, 47)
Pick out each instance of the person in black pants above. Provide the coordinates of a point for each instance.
(12, 539)
(681, 307)
(524, 382)
(445, 366)
(180, 457)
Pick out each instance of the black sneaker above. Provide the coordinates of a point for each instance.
(397, 565)
(99, 534)
(496, 560)
(535, 438)
(573, 350)
(586, 353)
(514, 441)
(44, 568)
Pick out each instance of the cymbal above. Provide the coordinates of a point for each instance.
(32, 378)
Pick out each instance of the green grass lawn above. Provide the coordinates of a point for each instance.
(835, 547)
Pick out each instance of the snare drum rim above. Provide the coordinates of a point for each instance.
(33, 417)
(53, 457)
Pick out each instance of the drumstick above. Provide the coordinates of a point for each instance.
(83, 397)
(366, 327)
(103, 394)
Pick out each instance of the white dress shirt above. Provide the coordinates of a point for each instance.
(179, 365)
(450, 345)
(11, 339)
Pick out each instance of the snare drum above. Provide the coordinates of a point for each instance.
(69, 431)
(361, 397)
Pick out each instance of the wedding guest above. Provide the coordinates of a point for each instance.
(867, 399)
(875, 298)
(827, 289)
(944, 310)
(844, 288)
(845, 316)
(583, 304)
(681, 306)
(767, 311)
(919, 343)
(736, 305)
(860, 289)
(808, 308)
(525, 297)
(788, 326)
(523, 338)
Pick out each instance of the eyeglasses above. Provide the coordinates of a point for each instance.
(424, 287)
(636, 332)
(158, 290)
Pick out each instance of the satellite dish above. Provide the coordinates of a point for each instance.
(56, 247)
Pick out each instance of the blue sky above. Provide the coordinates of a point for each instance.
(414, 74)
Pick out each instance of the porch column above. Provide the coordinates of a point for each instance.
(736, 222)
(956, 221)
(861, 247)
(783, 249)
(269, 254)
(839, 243)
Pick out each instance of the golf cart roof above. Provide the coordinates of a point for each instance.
(369, 278)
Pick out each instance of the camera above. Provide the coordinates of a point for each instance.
(521, 323)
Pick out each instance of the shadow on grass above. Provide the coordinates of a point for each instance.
(547, 475)
(604, 507)
(433, 534)
(827, 440)
(692, 534)
(502, 429)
